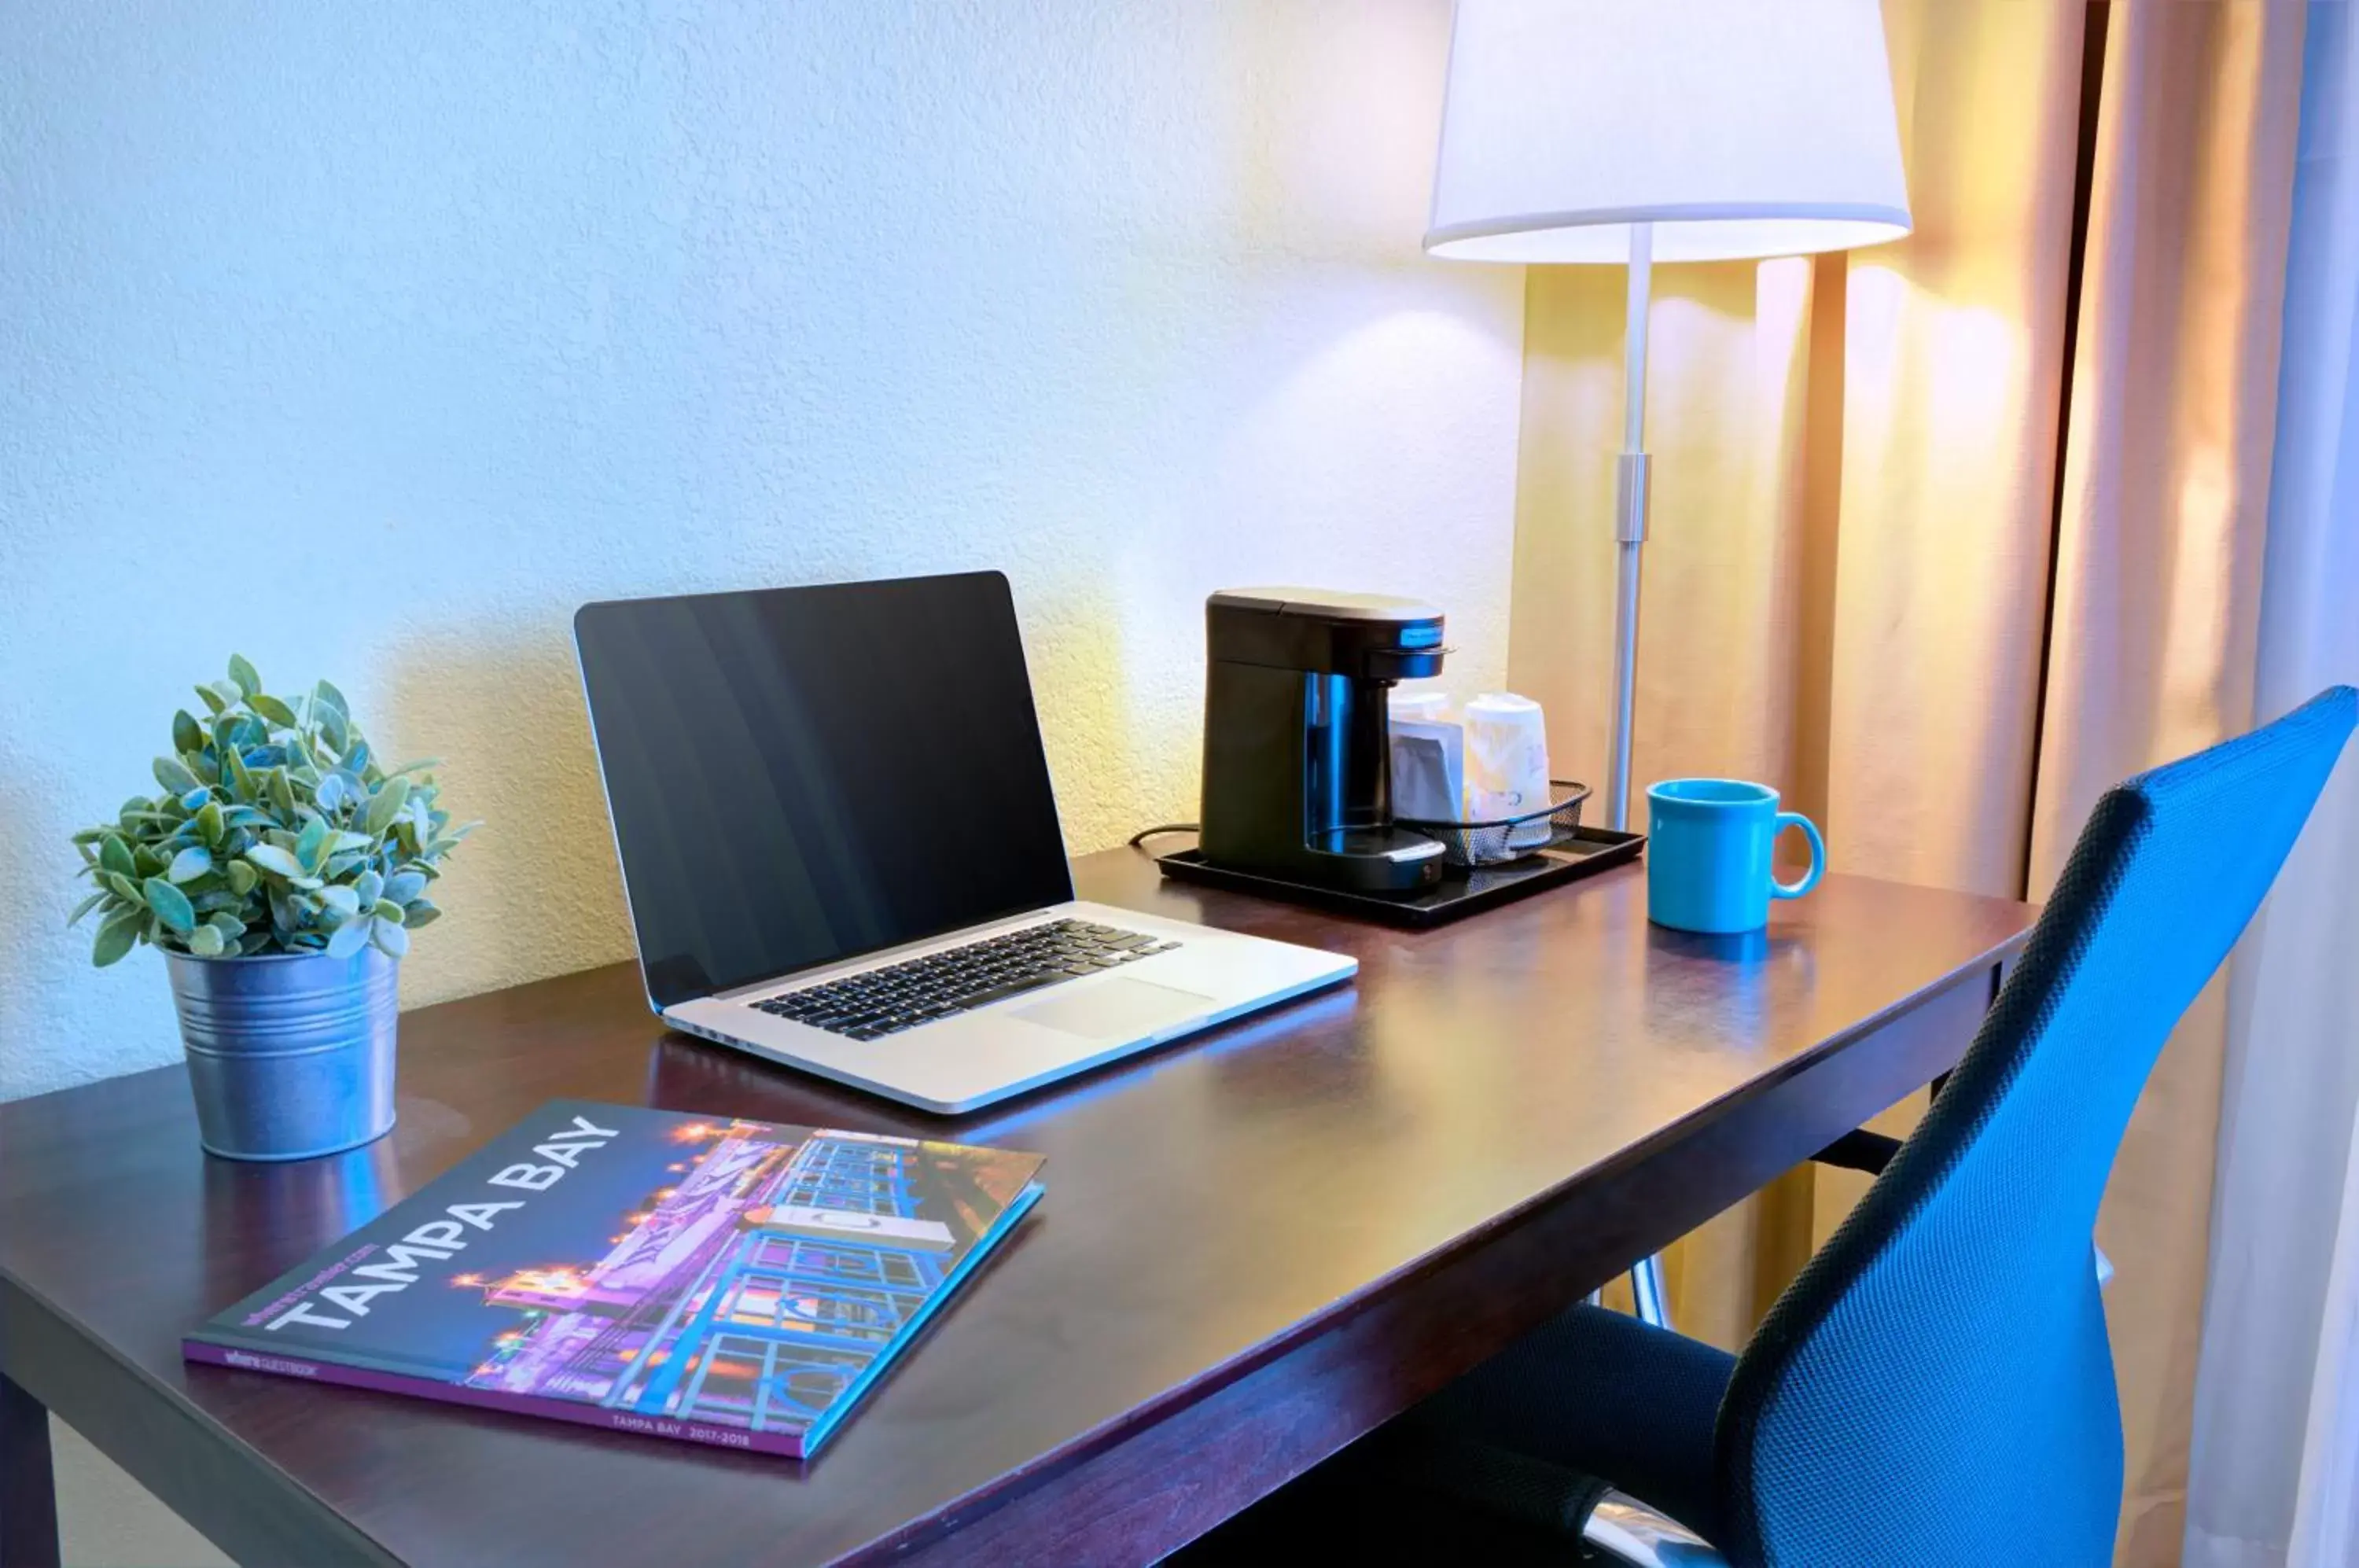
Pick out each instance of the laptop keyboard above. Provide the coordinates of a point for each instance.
(879, 1002)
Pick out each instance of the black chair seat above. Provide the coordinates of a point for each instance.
(1591, 1393)
(1500, 1467)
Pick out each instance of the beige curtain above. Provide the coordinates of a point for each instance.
(2157, 587)
(1848, 577)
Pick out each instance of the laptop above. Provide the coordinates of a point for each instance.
(841, 851)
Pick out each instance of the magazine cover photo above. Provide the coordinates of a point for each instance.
(719, 1280)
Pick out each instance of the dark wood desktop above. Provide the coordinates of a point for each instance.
(1256, 1245)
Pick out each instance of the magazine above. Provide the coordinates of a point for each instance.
(716, 1280)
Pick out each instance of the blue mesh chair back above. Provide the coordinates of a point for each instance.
(1937, 1386)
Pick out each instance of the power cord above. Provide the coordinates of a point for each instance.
(1142, 834)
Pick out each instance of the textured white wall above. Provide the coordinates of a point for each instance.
(368, 340)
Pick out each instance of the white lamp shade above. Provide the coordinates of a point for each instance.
(1738, 127)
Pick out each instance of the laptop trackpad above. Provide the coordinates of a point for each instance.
(1117, 1009)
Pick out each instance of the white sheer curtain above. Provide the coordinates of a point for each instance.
(2274, 1480)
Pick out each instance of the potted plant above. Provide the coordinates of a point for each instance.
(280, 871)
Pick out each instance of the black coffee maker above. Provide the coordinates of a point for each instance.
(1298, 739)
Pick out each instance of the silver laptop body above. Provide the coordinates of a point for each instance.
(839, 848)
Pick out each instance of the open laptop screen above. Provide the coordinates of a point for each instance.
(800, 775)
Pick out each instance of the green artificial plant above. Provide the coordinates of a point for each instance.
(276, 832)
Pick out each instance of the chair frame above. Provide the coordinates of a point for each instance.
(1630, 1532)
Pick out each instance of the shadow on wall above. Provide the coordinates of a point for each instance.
(1117, 679)
(62, 1021)
(536, 890)
(1087, 673)
(32, 867)
(42, 1044)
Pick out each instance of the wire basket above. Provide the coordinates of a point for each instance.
(1508, 838)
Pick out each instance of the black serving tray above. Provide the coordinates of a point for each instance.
(1574, 854)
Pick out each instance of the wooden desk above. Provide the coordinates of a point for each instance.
(1257, 1246)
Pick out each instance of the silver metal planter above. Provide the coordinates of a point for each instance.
(290, 1055)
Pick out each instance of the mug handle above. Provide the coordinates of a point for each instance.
(1818, 857)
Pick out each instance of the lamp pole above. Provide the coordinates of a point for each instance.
(1629, 522)
(1648, 1291)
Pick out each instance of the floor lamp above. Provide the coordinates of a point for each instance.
(1641, 131)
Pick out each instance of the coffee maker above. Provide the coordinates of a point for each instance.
(1298, 739)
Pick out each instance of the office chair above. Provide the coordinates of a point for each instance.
(1935, 1387)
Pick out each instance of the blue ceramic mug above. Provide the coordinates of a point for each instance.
(1708, 855)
